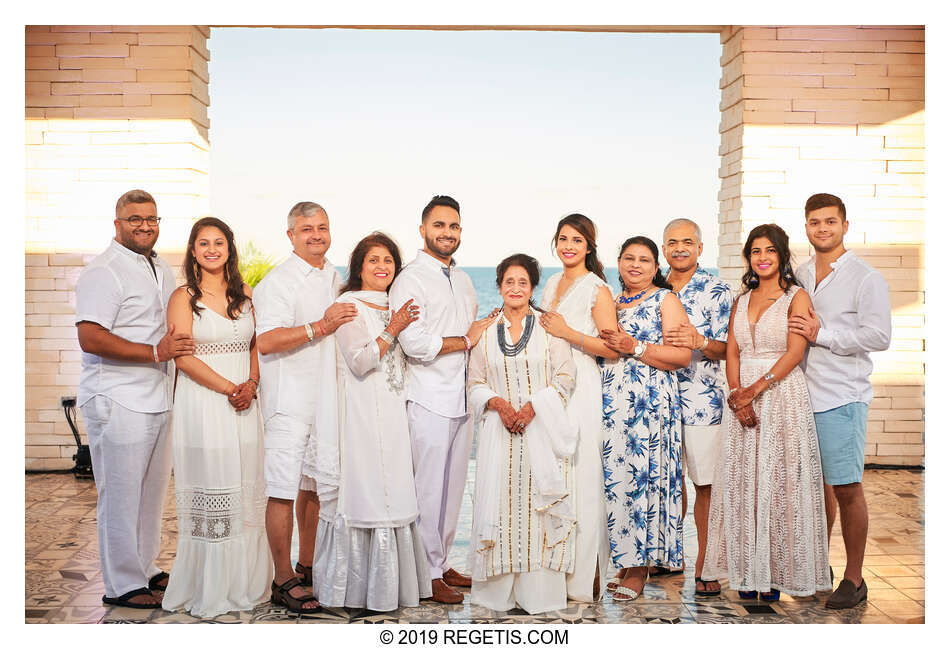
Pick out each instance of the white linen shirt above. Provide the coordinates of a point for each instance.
(447, 307)
(854, 309)
(118, 291)
(292, 294)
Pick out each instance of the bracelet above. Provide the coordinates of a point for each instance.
(256, 382)
(769, 379)
(468, 343)
(155, 353)
(323, 330)
(387, 337)
(309, 331)
(702, 347)
(733, 390)
(582, 342)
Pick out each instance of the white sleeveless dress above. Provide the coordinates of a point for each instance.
(586, 404)
(223, 561)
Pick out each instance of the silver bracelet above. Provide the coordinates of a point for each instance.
(769, 378)
(705, 344)
(155, 353)
(387, 337)
(309, 329)
(468, 343)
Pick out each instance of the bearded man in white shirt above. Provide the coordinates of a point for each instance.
(436, 346)
(296, 317)
(853, 318)
(125, 398)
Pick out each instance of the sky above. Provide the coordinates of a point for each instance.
(521, 128)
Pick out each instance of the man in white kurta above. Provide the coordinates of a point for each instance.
(125, 398)
(439, 424)
(295, 322)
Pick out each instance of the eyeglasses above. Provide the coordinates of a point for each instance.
(136, 221)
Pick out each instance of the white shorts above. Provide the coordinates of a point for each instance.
(701, 448)
(285, 439)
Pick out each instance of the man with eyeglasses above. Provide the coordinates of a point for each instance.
(125, 395)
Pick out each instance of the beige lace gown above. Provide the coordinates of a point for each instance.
(767, 518)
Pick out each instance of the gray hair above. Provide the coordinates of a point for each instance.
(304, 209)
(675, 223)
(133, 196)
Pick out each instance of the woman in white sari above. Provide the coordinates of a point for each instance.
(368, 552)
(524, 525)
(580, 306)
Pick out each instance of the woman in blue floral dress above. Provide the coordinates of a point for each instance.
(642, 424)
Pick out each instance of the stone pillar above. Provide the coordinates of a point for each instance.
(838, 110)
(108, 108)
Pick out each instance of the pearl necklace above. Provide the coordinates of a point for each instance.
(627, 300)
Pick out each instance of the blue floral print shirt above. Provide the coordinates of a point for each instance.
(708, 302)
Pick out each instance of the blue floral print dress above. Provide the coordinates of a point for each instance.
(641, 453)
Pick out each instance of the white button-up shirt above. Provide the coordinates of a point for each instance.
(854, 309)
(119, 291)
(292, 294)
(447, 307)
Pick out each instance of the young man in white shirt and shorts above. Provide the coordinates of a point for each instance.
(850, 319)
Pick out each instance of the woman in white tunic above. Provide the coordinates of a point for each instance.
(524, 526)
(223, 561)
(579, 306)
(369, 553)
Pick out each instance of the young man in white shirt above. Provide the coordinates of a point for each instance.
(436, 346)
(125, 398)
(296, 317)
(853, 318)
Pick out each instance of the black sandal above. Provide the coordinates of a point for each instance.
(124, 600)
(306, 571)
(153, 582)
(281, 595)
(705, 583)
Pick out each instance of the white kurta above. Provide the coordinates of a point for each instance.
(587, 405)
(524, 520)
(369, 553)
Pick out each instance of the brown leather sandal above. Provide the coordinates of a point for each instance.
(281, 595)
(306, 571)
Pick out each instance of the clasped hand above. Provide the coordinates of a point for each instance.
(684, 335)
(242, 395)
(407, 313)
(514, 421)
(741, 403)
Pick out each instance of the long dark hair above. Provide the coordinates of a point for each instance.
(658, 278)
(353, 280)
(589, 231)
(529, 263)
(232, 273)
(778, 238)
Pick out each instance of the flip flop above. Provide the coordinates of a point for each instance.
(707, 593)
(123, 600)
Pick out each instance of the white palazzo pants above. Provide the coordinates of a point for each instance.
(440, 453)
(132, 460)
(536, 591)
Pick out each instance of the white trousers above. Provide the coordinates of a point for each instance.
(132, 461)
(535, 592)
(440, 450)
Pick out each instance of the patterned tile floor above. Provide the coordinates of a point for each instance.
(64, 583)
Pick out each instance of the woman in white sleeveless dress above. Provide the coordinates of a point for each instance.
(579, 305)
(223, 561)
(369, 553)
(767, 517)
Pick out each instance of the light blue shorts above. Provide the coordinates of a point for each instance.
(842, 433)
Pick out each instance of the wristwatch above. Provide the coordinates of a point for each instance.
(639, 349)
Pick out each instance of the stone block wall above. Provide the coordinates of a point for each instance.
(108, 108)
(839, 110)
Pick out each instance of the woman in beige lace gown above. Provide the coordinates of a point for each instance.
(767, 522)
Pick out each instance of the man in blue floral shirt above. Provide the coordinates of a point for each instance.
(708, 302)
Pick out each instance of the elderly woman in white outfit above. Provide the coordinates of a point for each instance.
(524, 524)
(369, 553)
